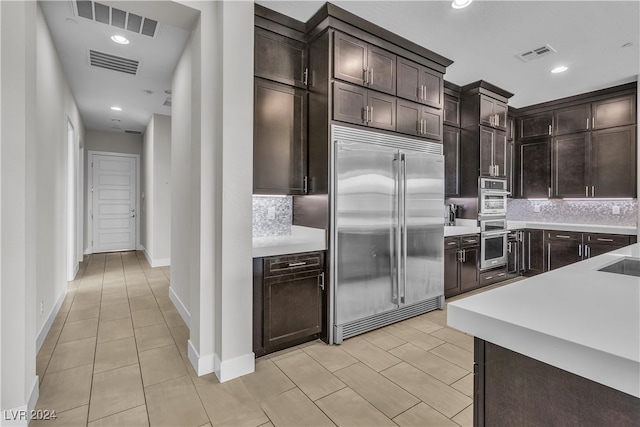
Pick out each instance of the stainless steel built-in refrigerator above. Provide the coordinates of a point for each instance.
(388, 229)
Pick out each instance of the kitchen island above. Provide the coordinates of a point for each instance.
(562, 347)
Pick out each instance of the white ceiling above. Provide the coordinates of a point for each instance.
(482, 40)
(97, 89)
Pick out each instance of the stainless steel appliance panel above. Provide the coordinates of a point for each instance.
(366, 221)
(493, 249)
(422, 255)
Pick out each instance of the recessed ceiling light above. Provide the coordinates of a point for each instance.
(560, 69)
(460, 4)
(120, 39)
(114, 108)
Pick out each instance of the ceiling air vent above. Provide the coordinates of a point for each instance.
(135, 132)
(116, 17)
(112, 62)
(536, 53)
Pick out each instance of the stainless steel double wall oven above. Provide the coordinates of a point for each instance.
(492, 216)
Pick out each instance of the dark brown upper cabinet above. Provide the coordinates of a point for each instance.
(493, 112)
(360, 63)
(536, 126)
(576, 118)
(613, 169)
(419, 84)
(357, 105)
(419, 120)
(280, 58)
(279, 139)
(534, 170)
(570, 165)
(451, 110)
(451, 151)
(493, 152)
(619, 111)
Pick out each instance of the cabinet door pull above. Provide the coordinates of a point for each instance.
(589, 251)
(549, 129)
(305, 185)
(371, 114)
(593, 191)
(580, 250)
(459, 256)
(424, 128)
(297, 264)
(365, 71)
(451, 243)
(321, 279)
(371, 77)
(497, 170)
(488, 278)
(548, 256)
(509, 247)
(562, 236)
(497, 120)
(586, 191)
(419, 127)
(464, 255)
(593, 122)
(604, 240)
(306, 77)
(501, 274)
(587, 123)
(549, 192)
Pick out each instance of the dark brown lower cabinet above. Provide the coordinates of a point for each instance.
(534, 256)
(598, 243)
(511, 389)
(288, 300)
(461, 272)
(563, 248)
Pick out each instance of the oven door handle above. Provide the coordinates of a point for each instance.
(494, 233)
(495, 192)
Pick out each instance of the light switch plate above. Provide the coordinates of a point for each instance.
(271, 213)
(536, 208)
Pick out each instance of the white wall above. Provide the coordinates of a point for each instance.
(212, 141)
(36, 103)
(156, 189)
(112, 142)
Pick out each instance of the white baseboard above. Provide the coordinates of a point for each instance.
(88, 251)
(154, 263)
(20, 415)
(236, 367)
(50, 318)
(202, 365)
(177, 302)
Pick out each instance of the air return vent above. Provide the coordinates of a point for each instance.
(135, 132)
(112, 62)
(536, 53)
(116, 17)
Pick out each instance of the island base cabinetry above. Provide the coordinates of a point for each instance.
(511, 389)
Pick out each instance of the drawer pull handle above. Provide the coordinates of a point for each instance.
(297, 264)
(451, 243)
(501, 274)
(471, 241)
(604, 240)
(560, 236)
(488, 278)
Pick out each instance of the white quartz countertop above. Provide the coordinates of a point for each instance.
(576, 318)
(301, 239)
(459, 230)
(584, 228)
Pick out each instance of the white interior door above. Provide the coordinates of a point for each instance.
(114, 203)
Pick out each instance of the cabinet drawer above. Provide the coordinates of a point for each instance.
(567, 236)
(489, 277)
(289, 264)
(610, 239)
(451, 242)
(470, 240)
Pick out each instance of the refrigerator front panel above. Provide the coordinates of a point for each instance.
(422, 253)
(366, 221)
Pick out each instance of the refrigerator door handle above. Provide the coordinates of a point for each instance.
(395, 243)
(403, 225)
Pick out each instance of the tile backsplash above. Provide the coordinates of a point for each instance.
(575, 211)
(272, 216)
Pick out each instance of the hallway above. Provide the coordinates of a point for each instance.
(117, 355)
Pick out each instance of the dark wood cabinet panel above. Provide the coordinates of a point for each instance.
(534, 169)
(570, 165)
(279, 58)
(350, 59)
(572, 119)
(291, 297)
(419, 84)
(279, 138)
(500, 154)
(493, 112)
(461, 271)
(511, 128)
(562, 248)
(382, 110)
(382, 70)
(510, 157)
(451, 151)
(349, 103)
(469, 272)
(451, 110)
(534, 256)
(493, 152)
(613, 162)
(451, 285)
(408, 117)
(536, 126)
(432, 118)
(599, 243)
(619, 111)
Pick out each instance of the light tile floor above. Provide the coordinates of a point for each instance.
(116, 355)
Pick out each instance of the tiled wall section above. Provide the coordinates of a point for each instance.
(280, 225)
(574, 211)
